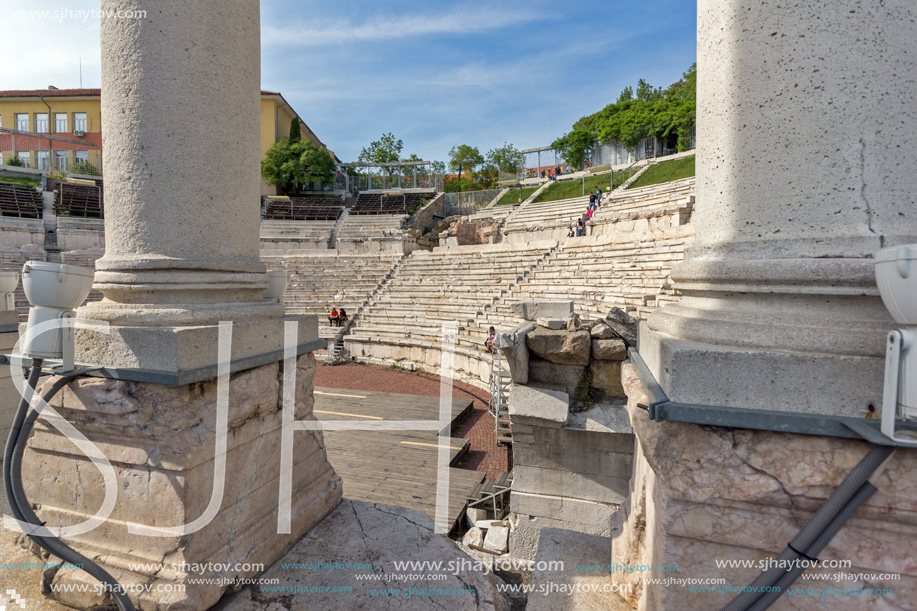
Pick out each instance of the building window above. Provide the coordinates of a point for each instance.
(25, 157)
(41, 122)
(60, 122)
(22, 122)
(60, 161)
(43, 159)
(79, 156)
(79, 122)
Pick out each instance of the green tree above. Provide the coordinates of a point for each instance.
(289, 165)
(386, 149)
(506, 158)
(652, 112)
(295, 131)
(464, 158)
(575, 145)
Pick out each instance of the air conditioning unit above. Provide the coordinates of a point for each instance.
(79, 133)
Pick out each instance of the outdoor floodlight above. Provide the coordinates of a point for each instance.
(8, 283)
(276, 283)
(896, 275)
(54, 290)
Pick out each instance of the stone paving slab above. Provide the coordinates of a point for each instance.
(573, 548)
(375, 536)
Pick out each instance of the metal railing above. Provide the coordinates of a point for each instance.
(56, 162)
(468, 202)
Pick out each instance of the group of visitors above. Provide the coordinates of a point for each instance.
(595, 202)
(552, 175)
(337, 318)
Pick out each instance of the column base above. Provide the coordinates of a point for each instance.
(184, 348)
(746, 377)
(160, 441)
(702, 497)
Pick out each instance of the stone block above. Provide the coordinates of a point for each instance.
(623, 324)
(516, 352)
(561, 377)
(497, 539)
(160, 440)
(561, 347)
(609, 349)
(538, 406)
(474, 536)
(606, 376)
(553, 324)
(531, 310)
(486, 524)
(474, 515)
(574, 323)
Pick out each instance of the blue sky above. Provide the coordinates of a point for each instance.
(436, 73)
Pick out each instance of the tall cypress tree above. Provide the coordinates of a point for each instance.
(295, 133)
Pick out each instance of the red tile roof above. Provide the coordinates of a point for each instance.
(51, 93)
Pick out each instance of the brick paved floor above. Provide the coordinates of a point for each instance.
(477, 427)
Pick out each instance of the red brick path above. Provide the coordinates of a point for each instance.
(477, 426)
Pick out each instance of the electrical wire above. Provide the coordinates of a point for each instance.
(19, 503)
(815, 535)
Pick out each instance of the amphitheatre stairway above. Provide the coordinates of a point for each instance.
(320, 280)
(404, 321)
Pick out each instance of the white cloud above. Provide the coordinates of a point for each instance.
(461, 20)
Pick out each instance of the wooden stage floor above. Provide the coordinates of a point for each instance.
(393, 467)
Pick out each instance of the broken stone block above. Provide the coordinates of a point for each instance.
(532, 310)
(574, 323)
(623, 324)
(474, 515)
(488, 524)
(497, 539)
(474, 536)
(516, 352)
(609, 349)
(554, 324)
(601, 330)
(562, 347)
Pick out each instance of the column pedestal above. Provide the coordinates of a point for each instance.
(161, 440)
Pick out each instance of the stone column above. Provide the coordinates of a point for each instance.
(181, 108)
(180, 102)
(806, 125)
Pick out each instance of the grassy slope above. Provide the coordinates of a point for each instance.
(666, 172)
(511, 197)
(20, 181)
(574, 188)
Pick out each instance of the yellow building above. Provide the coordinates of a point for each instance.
(77, 114)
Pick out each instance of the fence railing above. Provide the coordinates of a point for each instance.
(468, 202)
(56, 162)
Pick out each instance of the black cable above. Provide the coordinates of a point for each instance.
(818, 524)
(19, 503)
(769, 598)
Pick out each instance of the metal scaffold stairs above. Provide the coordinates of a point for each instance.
(500, 382)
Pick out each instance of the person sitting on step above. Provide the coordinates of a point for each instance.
(491, 339)
(334, 318)
(343, 317)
